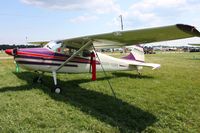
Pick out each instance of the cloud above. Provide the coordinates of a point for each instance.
(98, 6)
(142, 13)
(83, 18)
(148, 5)
(159, 12)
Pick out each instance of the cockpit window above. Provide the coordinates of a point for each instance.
(53, 45)
(59, 47)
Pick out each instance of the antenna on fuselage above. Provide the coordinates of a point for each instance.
(26, 41)
(122, 28)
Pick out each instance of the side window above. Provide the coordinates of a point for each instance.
(66, 50)
(86, 53)
(63, 49)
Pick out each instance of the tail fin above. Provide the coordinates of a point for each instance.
(137, 54)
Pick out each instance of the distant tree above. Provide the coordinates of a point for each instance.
(6, 46)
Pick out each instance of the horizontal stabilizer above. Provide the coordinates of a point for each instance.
(153, 65)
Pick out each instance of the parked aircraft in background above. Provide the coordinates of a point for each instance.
(76, 55)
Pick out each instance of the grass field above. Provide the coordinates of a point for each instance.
(3, 54)
(164, 100)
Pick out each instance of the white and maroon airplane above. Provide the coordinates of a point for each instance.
(76, 55)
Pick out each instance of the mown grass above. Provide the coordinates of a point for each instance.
(3, 54)
(164, 100)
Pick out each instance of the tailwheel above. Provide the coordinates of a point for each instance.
(56, 90)
(139, 71)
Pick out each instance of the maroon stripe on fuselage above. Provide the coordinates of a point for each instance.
(42, 63)
(45, 54)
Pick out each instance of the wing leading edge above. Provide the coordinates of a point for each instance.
(134, 37)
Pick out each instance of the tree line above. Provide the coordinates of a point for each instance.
(6, 46)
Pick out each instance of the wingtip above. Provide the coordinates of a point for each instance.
(188, 29)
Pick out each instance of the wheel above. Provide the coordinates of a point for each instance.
(37, 80)
(56, 90)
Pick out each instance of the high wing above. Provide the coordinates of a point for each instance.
(133, 37)
(41, 43)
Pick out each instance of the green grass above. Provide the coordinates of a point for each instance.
(3, 54)
(164, 100)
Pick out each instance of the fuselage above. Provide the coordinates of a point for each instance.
(43, 59)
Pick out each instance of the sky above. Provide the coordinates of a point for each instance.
(39, 20)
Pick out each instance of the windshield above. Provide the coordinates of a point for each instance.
(53, 45)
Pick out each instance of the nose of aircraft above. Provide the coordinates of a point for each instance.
(9, 51)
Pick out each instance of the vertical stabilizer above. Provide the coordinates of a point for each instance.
(137, 54)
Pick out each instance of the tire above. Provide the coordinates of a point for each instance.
(56, 90)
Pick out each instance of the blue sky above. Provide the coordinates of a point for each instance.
(58, 19)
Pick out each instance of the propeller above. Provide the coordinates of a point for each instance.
(13, 52)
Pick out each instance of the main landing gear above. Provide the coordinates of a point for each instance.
(56, 88)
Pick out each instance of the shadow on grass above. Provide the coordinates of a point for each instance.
(195, 59)
(130, 75)
(113, 111)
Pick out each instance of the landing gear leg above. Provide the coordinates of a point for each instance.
(55, 89)
(139, 72)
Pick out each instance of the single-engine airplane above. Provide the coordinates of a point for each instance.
(77, 55)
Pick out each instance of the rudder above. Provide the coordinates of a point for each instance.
(137, 54)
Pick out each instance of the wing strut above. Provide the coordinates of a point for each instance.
(77, 52)
(57, 89)
(113, 92)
